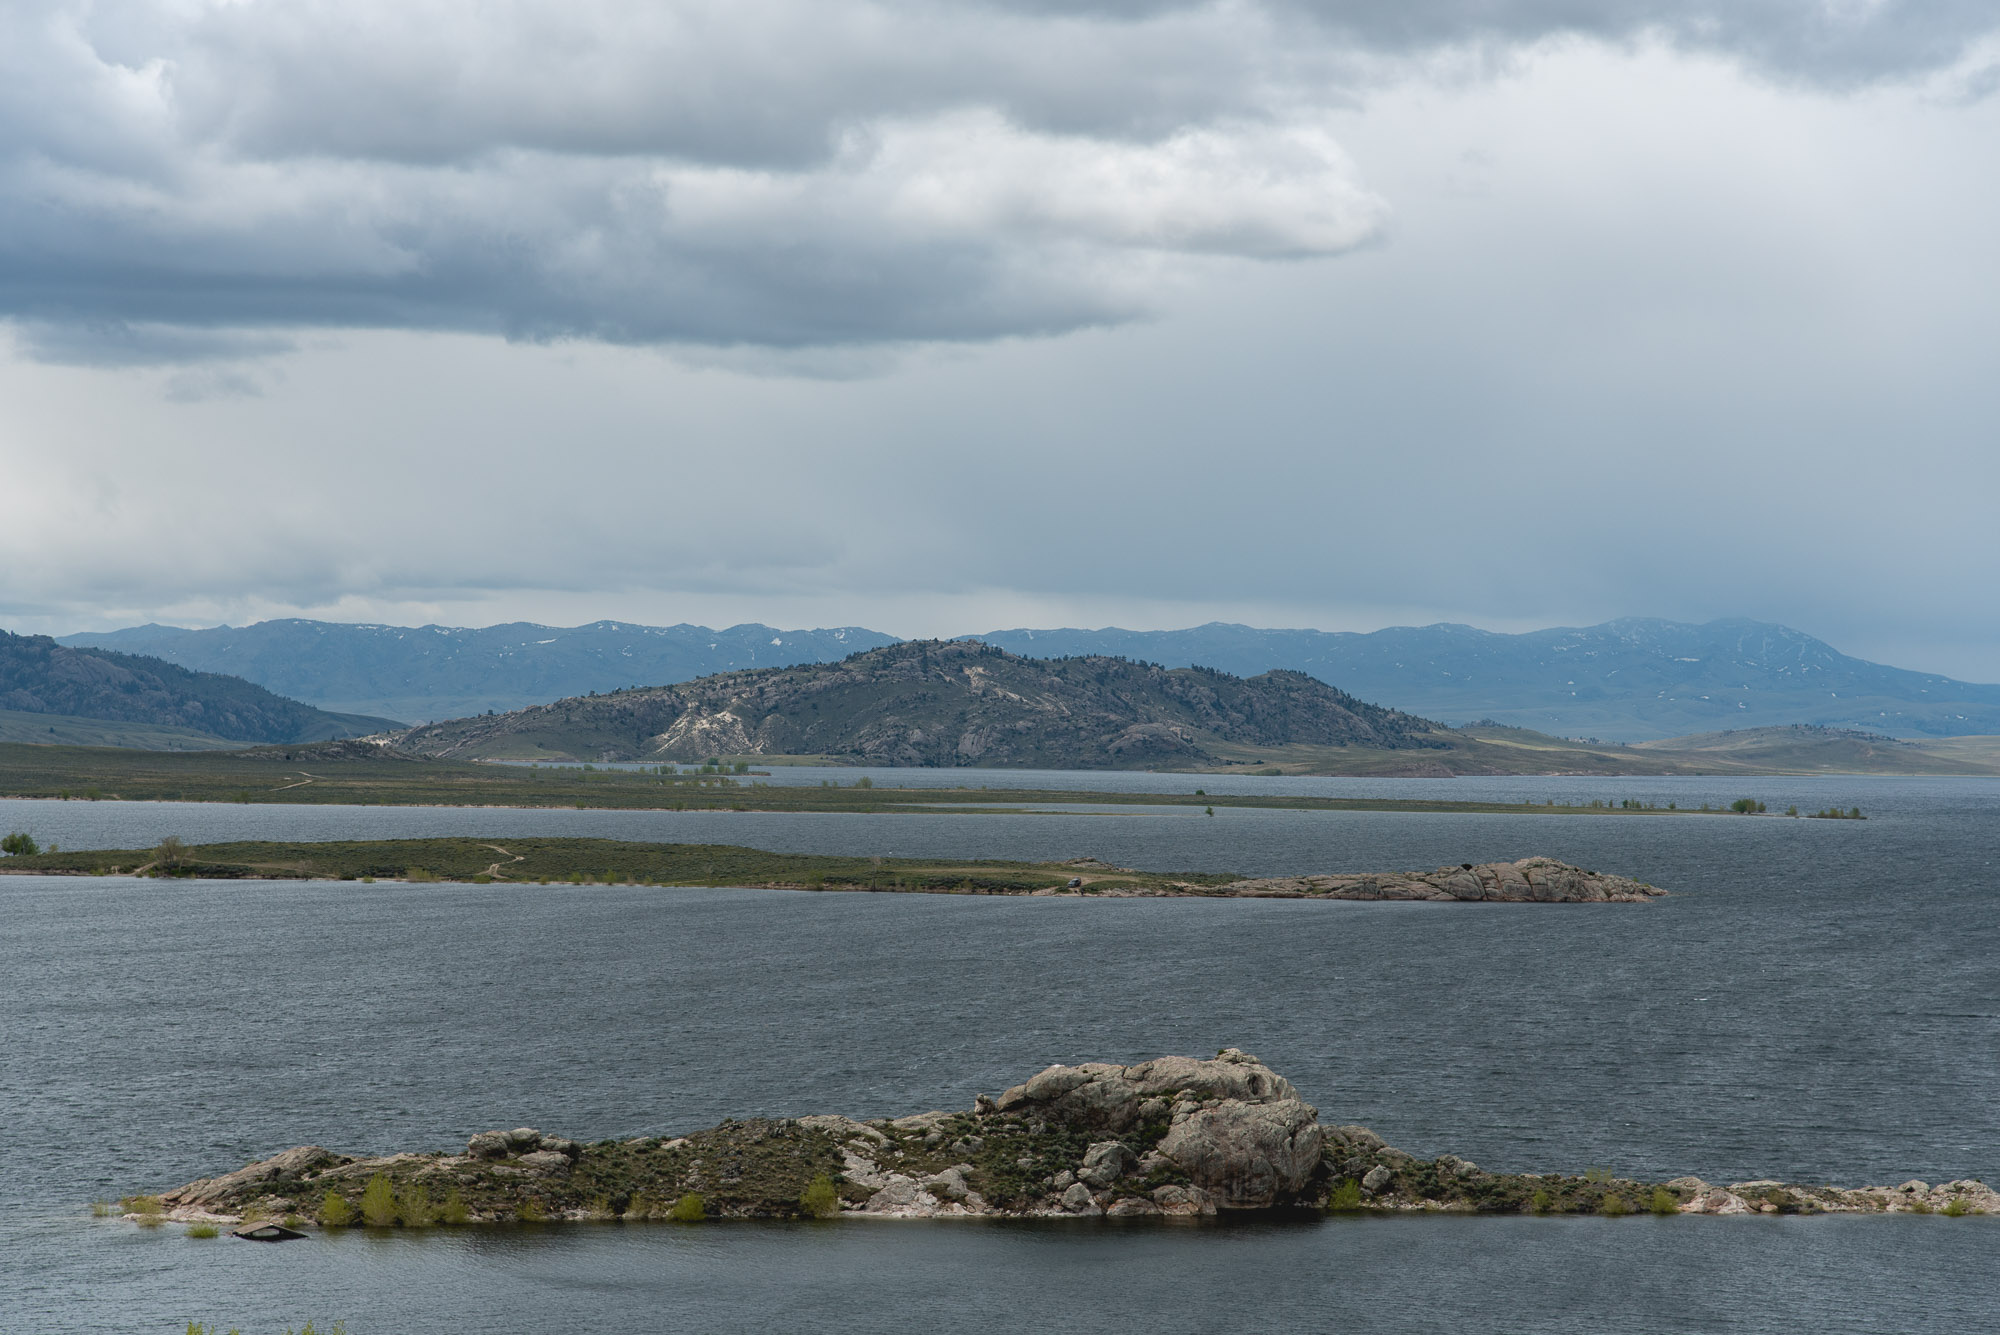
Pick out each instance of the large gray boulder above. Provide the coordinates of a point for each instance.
(1236, 1127)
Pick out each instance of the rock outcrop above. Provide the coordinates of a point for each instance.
(1534, 880)
(1171, 1136)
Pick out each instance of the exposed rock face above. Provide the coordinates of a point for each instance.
(1535, 880)
(1237, 1129)
(1175, 1136)
(257, 1179)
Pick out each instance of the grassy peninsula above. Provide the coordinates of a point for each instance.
(595, 862)
(361, 774)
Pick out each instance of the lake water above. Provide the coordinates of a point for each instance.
(1816, 1001)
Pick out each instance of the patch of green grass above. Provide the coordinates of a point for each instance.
(203, 1231)
(1956, 1208)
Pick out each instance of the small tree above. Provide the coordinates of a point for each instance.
(171, 855)
(20, 844)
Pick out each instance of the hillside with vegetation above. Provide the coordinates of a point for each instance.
(930, 703)
(40, 677)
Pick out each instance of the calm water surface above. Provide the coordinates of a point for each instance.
(1816, 1001)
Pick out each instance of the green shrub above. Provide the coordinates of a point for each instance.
(20, 844)
(1957, 1208)
(1664, 1202)
(1613, 1205)
(453, 1210)
(335, 1211)
(530, 1212)
(821, 1200)
(419, 874)
(413, 1207)
(688, 1210)
(378, 1203)
(203, 1231)
(1920, 1206)
(1541, 1202)
(1345, 1197)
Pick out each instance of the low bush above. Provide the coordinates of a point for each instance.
(688, 1210)
(203, 1231)
(1664, 1202)
(1345, 1197)
(413, 1207)
(378, 1203)
(821, 1199)
(335, 1211)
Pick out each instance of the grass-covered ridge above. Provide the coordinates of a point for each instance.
(592, 862)
(358, 773)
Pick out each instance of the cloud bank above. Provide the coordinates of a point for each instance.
(186, 179)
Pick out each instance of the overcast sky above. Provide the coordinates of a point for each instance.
(940, 316)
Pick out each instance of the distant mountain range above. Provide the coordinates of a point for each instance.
(97, 697)
(438, 672)
(946, 703)
(1635, 679)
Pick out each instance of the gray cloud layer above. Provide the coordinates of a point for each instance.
(790, 173)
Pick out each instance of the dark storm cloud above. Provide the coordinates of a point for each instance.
(1835, 42)
(780, 173)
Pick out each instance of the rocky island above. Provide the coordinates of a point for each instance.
(1174, 1136)
(1531, 880)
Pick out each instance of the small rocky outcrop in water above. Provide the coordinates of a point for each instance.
(1530, 881)
(1171, 1136)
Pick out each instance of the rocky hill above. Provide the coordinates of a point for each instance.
(945, 703)
(39, 676)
